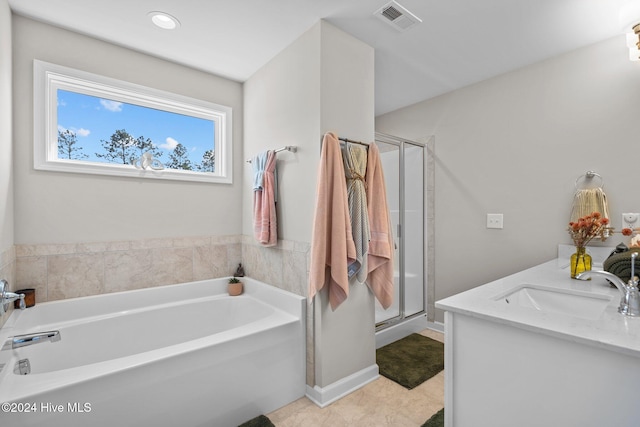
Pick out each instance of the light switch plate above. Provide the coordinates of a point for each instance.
(495, 221)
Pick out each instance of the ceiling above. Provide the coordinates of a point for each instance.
(459, 42)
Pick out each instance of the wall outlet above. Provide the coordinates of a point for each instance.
(630, 220)
(495, 221)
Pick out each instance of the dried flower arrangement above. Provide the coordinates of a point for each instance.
(588, 227)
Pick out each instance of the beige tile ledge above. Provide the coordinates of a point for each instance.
(8, 272)
(7, 257)
(45, 249)
(287, 245)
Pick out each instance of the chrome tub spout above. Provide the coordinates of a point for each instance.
(30, 339)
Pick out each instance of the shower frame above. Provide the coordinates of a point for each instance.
(427, 313)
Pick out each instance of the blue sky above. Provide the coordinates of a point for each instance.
(93, 119)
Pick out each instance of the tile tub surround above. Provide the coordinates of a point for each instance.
(60, 271)
(285, 266)
(8, 272)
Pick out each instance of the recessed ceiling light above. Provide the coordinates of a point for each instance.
(164, 20)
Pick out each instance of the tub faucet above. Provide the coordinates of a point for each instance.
(6, 297)
(630, 300)
(29, 339)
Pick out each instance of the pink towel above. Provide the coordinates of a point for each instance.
(332, 246)
(380, 258)
(265, 222)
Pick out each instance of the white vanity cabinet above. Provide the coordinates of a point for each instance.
(517, 364)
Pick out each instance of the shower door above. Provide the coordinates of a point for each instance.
(403, 163)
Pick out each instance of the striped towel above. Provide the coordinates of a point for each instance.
(355, 167)
(589, 200)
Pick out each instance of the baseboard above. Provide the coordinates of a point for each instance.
(436, 326)
(406, 328)
(401, 330)
(323, 396)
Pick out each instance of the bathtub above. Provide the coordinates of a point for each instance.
(185, 354)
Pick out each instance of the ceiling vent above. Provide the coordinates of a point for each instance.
(397, 16)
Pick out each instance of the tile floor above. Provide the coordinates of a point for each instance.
(379, 403)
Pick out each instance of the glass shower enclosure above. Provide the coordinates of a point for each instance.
(403, 163)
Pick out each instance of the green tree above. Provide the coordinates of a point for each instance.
(178, 159)
(67, 148)
(146, 145)
(120, 148)
(208, 163)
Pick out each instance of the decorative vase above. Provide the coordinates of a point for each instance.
(235, 289)
(580, 262)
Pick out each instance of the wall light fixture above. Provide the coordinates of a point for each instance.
(630, 23)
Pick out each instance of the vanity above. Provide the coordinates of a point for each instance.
(538, 348)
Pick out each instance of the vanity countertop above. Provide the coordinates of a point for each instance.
(611, 330)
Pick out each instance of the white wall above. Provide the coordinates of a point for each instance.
(6, 137)
(515, 144)
(348, 110)
(302, 93)
(282, 107)
(64, 208)
(293, 100)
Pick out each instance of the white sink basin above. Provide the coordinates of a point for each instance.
(560, 301)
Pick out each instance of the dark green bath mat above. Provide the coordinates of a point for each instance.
(411, 360)
(437, 420)
(259, 421)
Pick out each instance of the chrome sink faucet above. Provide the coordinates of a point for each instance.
(6, 297)
(630, 300)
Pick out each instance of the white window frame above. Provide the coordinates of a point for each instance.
(48, 78)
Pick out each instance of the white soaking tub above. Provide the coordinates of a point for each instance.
(186, 354)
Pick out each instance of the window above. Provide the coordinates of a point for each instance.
(87, 123)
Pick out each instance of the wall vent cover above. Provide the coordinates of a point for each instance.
(397, 16)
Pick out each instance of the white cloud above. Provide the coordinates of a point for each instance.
(112, 106)
(78, 132)
(170, 144)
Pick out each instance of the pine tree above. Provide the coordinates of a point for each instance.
(67, 148)
(120, 148)
(178, 159)
(146, 145)
(208, 163)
